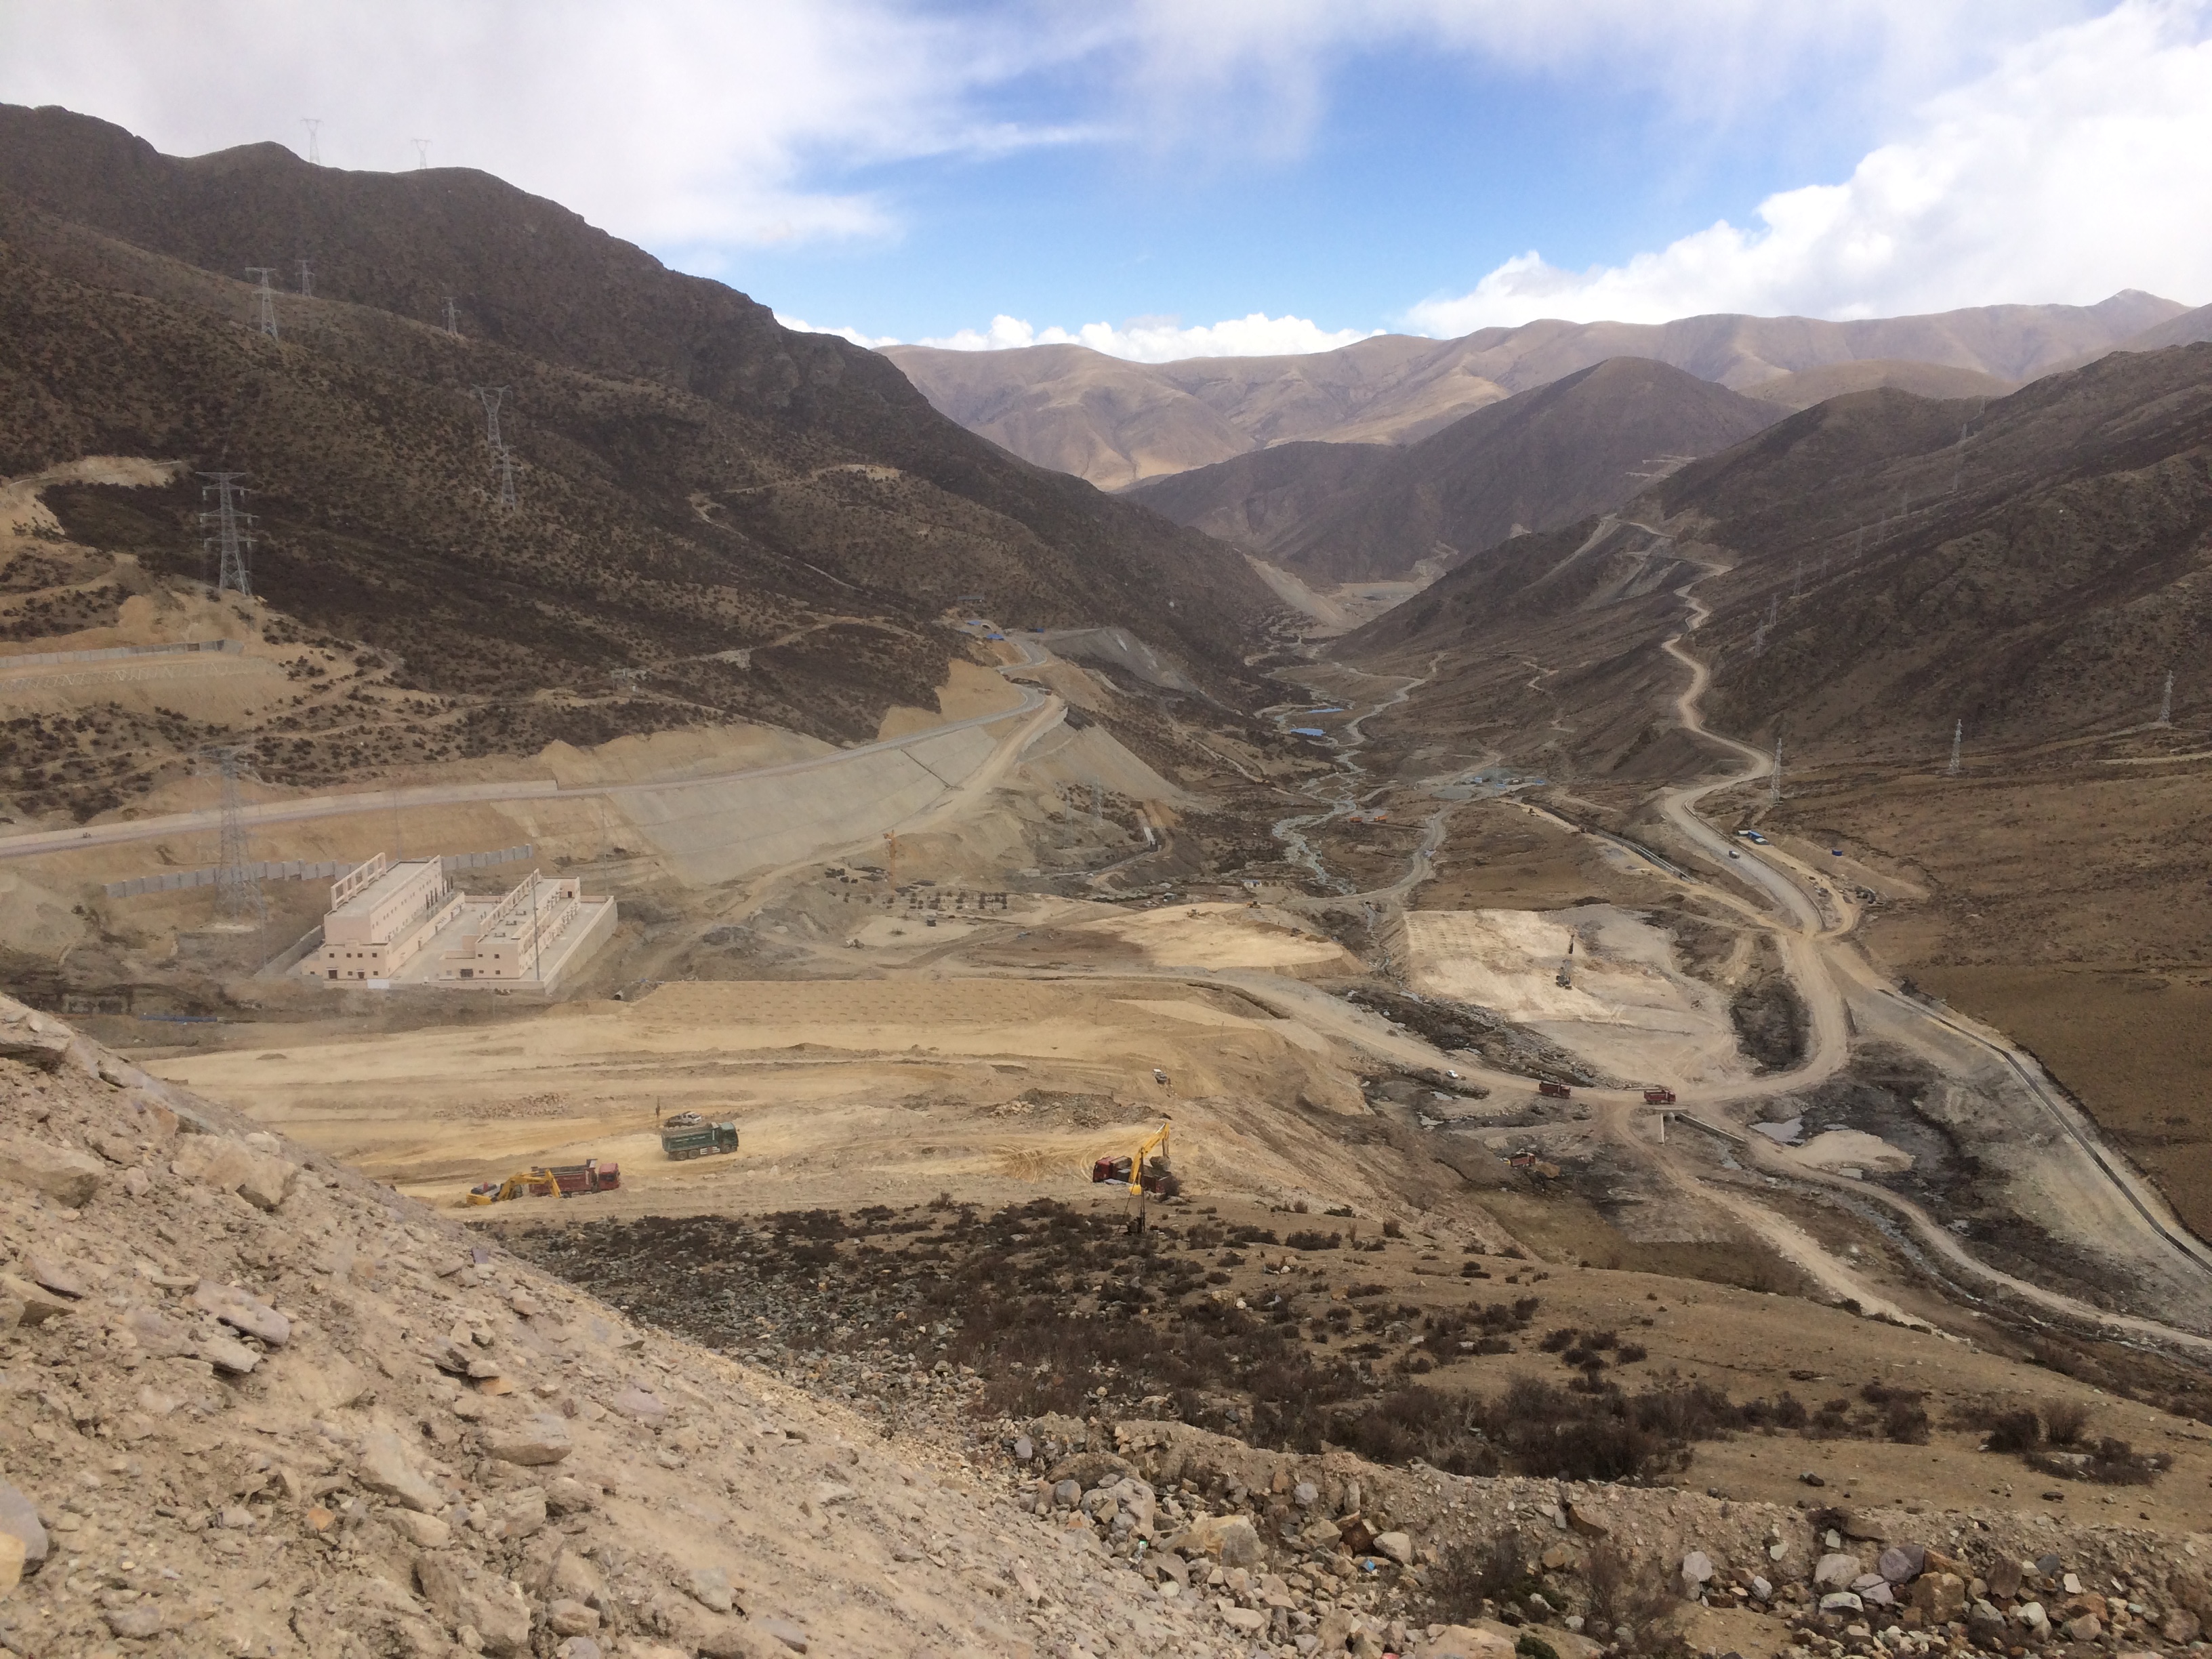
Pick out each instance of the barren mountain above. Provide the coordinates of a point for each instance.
(743, 521)
(1069, 407)
(1808, 386)
(1889, 564)
(1540, 459)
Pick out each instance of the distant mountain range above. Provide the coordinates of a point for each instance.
(743, 520)
(1119, 423)
(1337, 513)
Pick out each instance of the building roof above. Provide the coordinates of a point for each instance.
(383, 887)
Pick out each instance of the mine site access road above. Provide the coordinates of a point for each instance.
(1817, 919)
(387, 800)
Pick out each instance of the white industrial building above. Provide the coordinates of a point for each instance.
(405, 924)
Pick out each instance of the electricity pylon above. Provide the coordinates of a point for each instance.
(1957, 738)
(265, 299)
(238, 896)
(2166, 702)
(231, 539)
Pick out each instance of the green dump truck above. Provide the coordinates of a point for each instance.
(689, 1135)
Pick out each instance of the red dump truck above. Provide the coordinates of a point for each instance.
(1658, 1097)
(589, 1176)
(1556, 1091)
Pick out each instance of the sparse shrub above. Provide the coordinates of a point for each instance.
(1314, 1241)
(2064, 1421)
(2015, 1431)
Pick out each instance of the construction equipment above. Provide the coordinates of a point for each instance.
(1658, 1097)
(689, 1135)
(1147, 1174)
(1556, 1091)
(522, 1183)
(589, 1176)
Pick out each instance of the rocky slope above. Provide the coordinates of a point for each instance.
(693, 480)
(1537, 460)
(1117, 423)
(256, 1404)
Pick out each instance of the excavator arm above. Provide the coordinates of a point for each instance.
(1156, 1141)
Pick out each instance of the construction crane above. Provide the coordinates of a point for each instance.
(1147, 1174)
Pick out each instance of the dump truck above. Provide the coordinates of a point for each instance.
(1556, 1091)
(589, 1176)
(1658, 1097)
(689, 1135)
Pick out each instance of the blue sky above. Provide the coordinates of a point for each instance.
(1167, 177)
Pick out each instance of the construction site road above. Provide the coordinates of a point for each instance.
(387, 800)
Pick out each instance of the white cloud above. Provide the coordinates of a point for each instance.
(689, 125)
(873, 341)
(1162, 339)
(2080, 165)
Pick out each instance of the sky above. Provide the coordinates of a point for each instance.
(1165, 178)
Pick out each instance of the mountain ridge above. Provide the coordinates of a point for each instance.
(1399, 389)
(1537, 461)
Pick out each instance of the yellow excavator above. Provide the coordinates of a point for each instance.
(522, 1183)
(1148, 1173)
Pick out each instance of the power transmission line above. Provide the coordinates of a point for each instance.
(314, 149)
(491, 396)
(306, 280)
(265, 299)
(506, 479)
(232, 538)
(238, 896)
(452, 321)
(422, 153)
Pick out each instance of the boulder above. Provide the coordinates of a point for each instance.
(495, 1606)
(70, 1178)
(711, 1588)
(262, 1179)
(33, 1038)
(19, 1519)
(1696, 1573)
(1395, 1545)
(1901, 1564)
(1841, 1601)
(1941, 1597)
(1228, 1539)
(26, 1305)
(385, 1469)
(1835, 1572)
(232, 1359)
(2181, 1627)
(2002, 1578)
(243, 1312)
(538, 1439)
(1458, 1642)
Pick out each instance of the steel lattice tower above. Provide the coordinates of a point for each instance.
(314, 149)
(453, 322)
(1958, 738)
(264, 314)
(1774, 787)
(306, 280)
(506, 479)
(491, 396)
(232, 538)
(2166, 702)
(238, 896)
